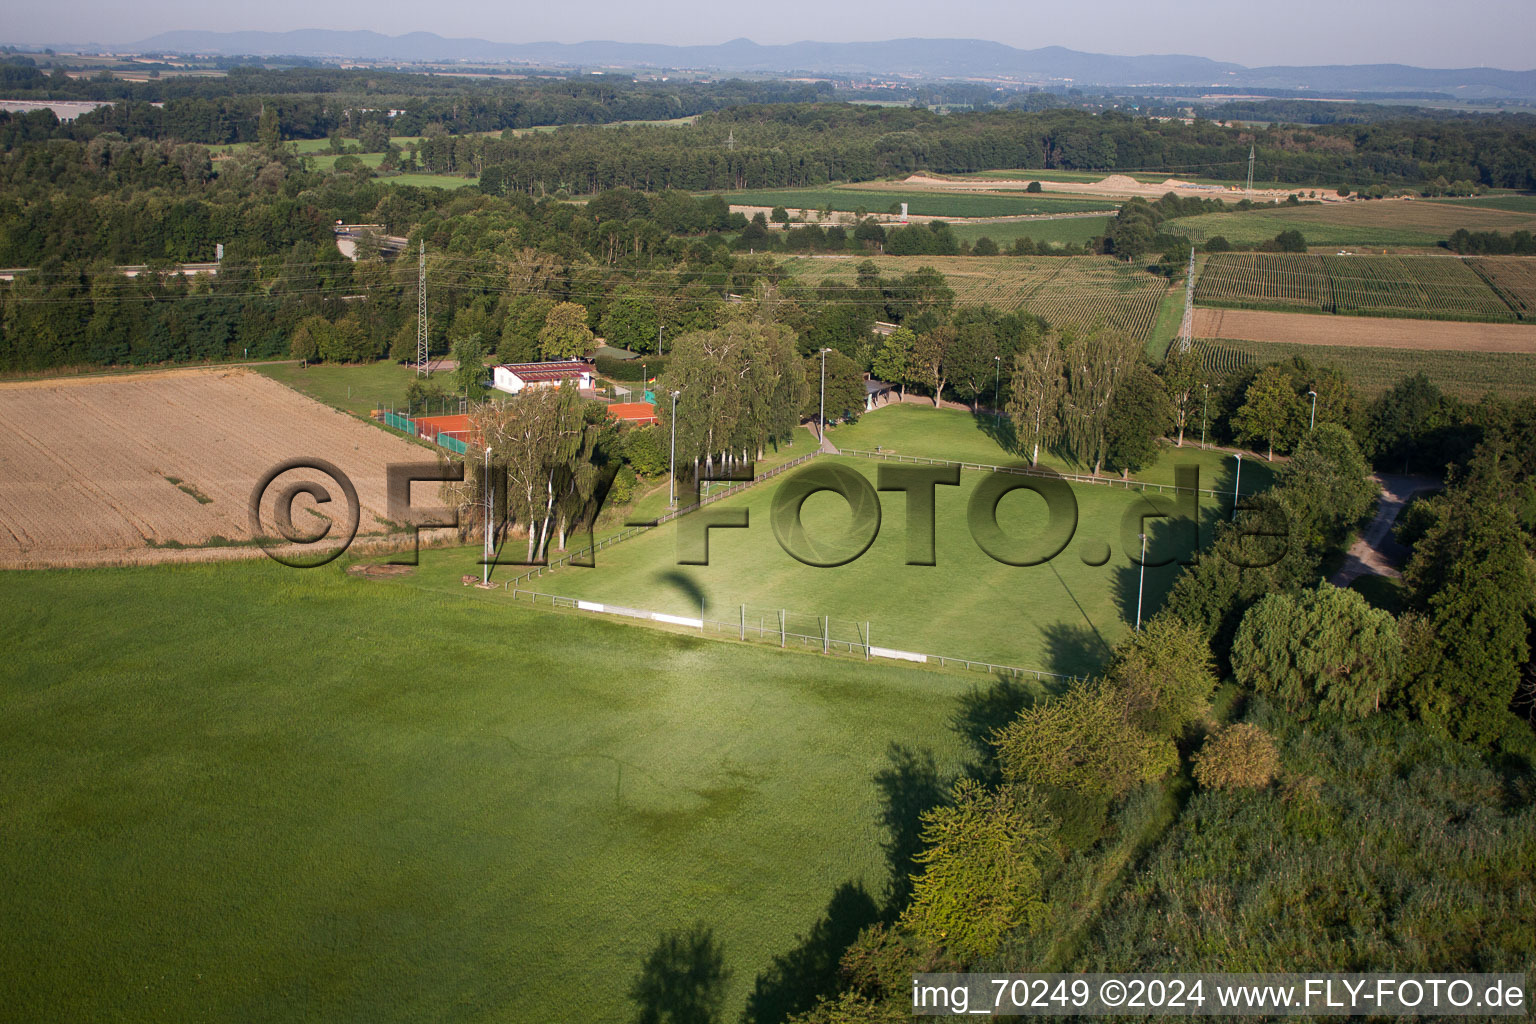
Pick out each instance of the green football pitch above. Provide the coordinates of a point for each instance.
(243, 792)
(1062, 616)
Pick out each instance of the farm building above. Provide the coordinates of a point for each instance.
(640, 413)
(513, 377)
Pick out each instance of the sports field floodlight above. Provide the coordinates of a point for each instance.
(1313, 425)
(672, 465)
(1237, 485)
(1204, 410)
(822, 435)
(485, 486)
(1141, 586)
(997, 387)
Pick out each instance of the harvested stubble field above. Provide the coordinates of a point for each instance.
(159, 467)
(1373, 332)
(1422, 287)
(1075, 293)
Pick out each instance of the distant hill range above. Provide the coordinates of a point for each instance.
(925, 58)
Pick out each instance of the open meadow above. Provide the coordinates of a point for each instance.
(1055, 230)
(141, 467)
(1062, 616)
(1076, 292)
(349, 799)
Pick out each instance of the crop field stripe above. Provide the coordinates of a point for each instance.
(1416, 287)
(1374, 370)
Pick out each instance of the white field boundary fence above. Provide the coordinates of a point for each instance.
(784, 629)
(635, 531)
(1076, 478)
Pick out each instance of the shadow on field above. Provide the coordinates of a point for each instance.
(982, 712)
(1170, 542)
(686, 586)
(796, 978)
(908, 787)
(683, 979)
(1072, 650)
(999, 430)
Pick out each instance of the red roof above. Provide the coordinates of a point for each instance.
(634, 412)
(531, 373)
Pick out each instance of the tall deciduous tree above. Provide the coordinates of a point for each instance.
(469, 374)
(1139, 416)
(1323, 649)
(1182, 377)
(1271, 412)
(1096, 364)
(893, 360)
(565, 334)
(1039, 384)
(1327, 485)
(971, 360)
(930, 360)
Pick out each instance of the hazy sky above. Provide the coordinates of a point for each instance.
(1429, 33)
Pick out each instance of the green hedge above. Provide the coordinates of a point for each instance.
(630, 370)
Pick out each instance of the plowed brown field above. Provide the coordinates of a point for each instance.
(1363, 332)
(104, 471)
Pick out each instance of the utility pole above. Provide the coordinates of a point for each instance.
(422, 369)
(1250, 170)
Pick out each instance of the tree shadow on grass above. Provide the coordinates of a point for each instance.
(983, 711)
(998, 429)
(908, 787)
(683, 979)
(796, 978)
(1073, 650)
(1170, 542)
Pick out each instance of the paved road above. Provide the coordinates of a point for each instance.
(1376, 552)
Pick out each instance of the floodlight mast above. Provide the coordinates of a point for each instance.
(485, 487)
(672, 464)
(821, 434)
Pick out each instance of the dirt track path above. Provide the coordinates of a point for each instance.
(1376, 552)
